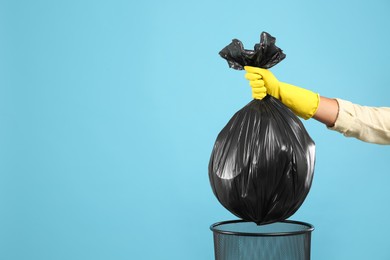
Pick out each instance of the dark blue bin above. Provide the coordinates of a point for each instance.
(242, 240)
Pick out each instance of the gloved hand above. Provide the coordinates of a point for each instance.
(259, 91)
(302, 102)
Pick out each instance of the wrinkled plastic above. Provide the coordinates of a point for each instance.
(262, 164)
(265, 54)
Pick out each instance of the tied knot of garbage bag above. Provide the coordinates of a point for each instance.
(265, 54)
(262, 163)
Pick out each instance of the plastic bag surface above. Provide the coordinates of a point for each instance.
(262, 164)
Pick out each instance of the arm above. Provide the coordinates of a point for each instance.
(369, 124)
(302, 102)
(327, 111)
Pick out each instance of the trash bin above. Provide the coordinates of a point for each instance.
(242, 240)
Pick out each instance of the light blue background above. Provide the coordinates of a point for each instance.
(109, 111)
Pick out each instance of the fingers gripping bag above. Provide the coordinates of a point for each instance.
(262, 163)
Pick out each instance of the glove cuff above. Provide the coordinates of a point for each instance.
(302, 102)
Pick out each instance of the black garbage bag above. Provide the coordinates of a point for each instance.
(261, 167)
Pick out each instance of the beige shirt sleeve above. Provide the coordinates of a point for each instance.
(369, 124)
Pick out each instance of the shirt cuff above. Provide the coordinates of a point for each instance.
(345, 121)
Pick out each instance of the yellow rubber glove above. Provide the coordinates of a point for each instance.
(259, 91)
(302, 102)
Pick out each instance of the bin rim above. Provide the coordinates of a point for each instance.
(309, 229)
